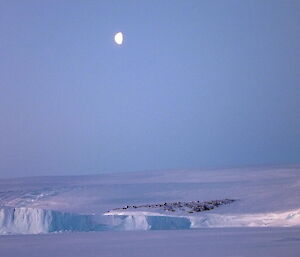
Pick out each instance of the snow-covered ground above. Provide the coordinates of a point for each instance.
(267, 200)
(207, 242)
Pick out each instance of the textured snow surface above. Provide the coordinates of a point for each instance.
(206, 242)
(266, 197)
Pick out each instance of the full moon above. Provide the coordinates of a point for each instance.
(119, 38)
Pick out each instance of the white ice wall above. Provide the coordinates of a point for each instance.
(24, 220)
(34, 221)
(148, 222)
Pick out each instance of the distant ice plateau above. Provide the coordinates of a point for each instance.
(266, 198)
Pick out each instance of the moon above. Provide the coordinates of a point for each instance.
(119, 38)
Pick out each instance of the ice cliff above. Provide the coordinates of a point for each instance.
(148, 222)
(34, 221)
(24, 220)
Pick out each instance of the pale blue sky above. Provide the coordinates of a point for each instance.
(196, 84)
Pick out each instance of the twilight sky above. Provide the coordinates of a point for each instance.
(195, 84)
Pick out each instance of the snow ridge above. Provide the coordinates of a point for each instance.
(273, 219)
